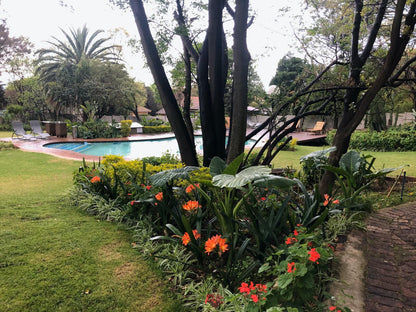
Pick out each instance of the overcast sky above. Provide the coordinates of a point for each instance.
(269, 38)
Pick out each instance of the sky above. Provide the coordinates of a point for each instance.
(269, 38)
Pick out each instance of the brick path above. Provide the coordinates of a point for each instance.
(391, 255)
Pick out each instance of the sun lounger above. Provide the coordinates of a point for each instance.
(20, 132)
(318, 128)
(37, 129)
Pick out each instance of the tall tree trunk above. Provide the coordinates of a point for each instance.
(241, 57)
(212, 75)
(186, 145)
(187, 93)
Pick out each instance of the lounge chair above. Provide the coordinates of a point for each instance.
(37, 129)
(20, 132)
(318, 128)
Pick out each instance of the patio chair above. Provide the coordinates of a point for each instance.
(37, 129)
(20, 132)
(318, 128)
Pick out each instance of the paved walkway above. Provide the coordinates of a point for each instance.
(391, 260)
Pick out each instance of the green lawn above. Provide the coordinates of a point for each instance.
(290, 159)
(54, 257)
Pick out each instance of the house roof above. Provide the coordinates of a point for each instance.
(141, 110)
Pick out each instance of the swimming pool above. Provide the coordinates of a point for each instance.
(129, 149)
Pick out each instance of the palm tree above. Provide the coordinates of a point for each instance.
(79, 46)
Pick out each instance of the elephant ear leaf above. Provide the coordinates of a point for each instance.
(217, 166)
(242, 178)
(272, 181)
(351, 161)
(161, 178)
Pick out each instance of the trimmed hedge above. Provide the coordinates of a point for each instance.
(402, 138)
(156, 129)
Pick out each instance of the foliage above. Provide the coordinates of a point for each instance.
(402, 138)
(125, 127)
(6, 146)
(215, 227)
(96, 129)
(146, 121)
(166, 158)
(312, 172)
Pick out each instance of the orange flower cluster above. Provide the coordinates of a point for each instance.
(159, 196)
(215, 241)
(186, 239)
(191, 205)
(95, 179)
(191, 187)
(329, 200)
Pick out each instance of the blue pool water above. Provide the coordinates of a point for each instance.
(128, 149)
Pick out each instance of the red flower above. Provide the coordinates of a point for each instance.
(254, 297)
(186, 238)
(148, 187)
(191, 205)
(215, 241)
(314, 255)
(132, 202)
(215, 300)
(263, 198)
(332, 308)
(244, 288)
(296, 233)
(291, 240)
(310, 244)
(291, 267)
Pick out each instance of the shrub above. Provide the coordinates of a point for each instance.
(96, 129)
(156, 129)
(125, 127)
(6, 146)
(402, 138)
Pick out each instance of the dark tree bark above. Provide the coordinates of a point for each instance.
(241, 57)
(212, 75)
(186, 145)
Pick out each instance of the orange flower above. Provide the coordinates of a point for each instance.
(95, 179)
(191, 205)
(329, 200)
(159, 196)
(186, 238)
(191, 187)
(215, 241)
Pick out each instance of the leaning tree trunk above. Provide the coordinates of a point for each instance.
(186, 145)
(352, 117)
(241, 56)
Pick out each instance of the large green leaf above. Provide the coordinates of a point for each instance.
(318, 154)
(272, 181)
(242, 178)
(234, 166)
(162, 178)
(217, 166)
(351, 161)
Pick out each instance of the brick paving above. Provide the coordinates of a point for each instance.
(391, 260)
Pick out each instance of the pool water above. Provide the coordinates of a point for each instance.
(128, 149)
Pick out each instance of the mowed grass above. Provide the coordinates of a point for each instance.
(56, 258)
(291, 159)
